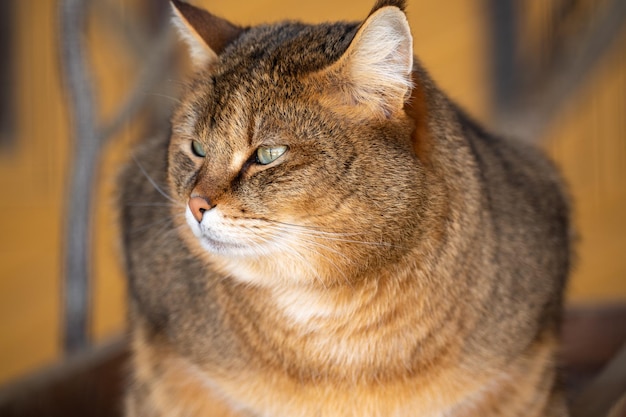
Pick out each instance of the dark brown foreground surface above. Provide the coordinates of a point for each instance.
(92, 384)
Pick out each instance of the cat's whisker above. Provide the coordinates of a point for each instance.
(313, 229)
(306, 262)
(177, 82)
(174, 99)
(149, 226)
(292, 251)
(314, 243)
(148, 204)
(154, 184)
(312, 246)
(165, 235)
(333, 236)
(307, 238)
(362, 242)
(164, 222)
(336, 236)
(327, 259)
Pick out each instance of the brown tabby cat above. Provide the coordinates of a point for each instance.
(340, 240)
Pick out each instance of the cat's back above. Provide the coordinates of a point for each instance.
(525, 231)
(522, 190)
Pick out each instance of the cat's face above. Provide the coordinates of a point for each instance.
(282, 174)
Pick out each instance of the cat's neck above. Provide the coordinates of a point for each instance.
(375, 324)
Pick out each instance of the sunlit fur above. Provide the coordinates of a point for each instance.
(396, 260)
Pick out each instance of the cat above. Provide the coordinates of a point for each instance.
(324, 233)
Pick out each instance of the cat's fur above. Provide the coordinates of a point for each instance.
(397, 260)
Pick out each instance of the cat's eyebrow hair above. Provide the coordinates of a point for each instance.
(205, 122)
(198, 122)
(251, 128)
(200, 128)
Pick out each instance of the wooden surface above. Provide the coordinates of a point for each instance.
(450, 39)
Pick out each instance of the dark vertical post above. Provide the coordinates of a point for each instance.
(503, 27)
(7, 81)
(78, 87)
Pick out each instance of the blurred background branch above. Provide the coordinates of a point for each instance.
(153, 52)
(533, 82)
(81, 102)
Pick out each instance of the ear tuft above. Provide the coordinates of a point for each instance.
(206, 35)
(400, 4)
(376, 69)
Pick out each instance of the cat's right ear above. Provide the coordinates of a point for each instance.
(206, 35)
(375, 72)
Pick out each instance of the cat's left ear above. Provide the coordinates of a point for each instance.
(206, 35)
(375, 71)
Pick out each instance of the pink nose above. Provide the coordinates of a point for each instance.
(198, 206)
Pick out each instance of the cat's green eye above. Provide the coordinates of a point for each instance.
(268, 154)
(198, 149)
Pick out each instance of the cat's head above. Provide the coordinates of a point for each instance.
(292, 152)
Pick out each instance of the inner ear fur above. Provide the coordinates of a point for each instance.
(206, 34)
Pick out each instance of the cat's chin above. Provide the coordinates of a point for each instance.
(223, 248)
(229, 250)
(263, 272)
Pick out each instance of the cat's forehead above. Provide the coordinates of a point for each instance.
(286, 49)
(253, 94)
(236, 119)
(258, 75)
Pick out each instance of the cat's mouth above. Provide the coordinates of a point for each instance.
(217, 236)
